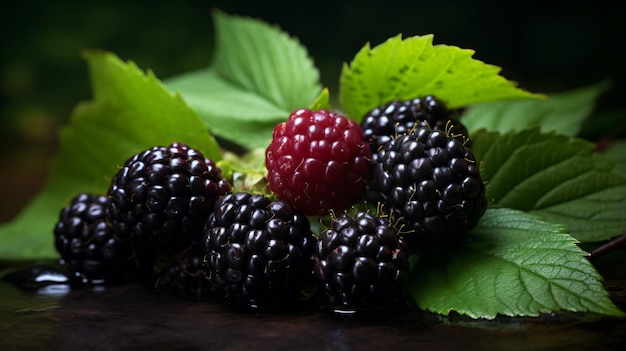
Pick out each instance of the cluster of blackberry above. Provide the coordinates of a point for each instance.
(170, 218)
(412, 155)
(149, 224)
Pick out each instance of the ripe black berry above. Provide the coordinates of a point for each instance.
(432, 182)
(184, 275)
(162, 196)
(88, 244)
(360, 262)
(258, 252)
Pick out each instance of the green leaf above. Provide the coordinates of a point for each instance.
(259, 75)
(563, 112)
(617, 151)
(131, 112)
(607, 122)
(228, 111)
(407, 68)
(322, 102)
(514, 265)
(558, 178)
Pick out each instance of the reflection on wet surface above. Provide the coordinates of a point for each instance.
(39, 310)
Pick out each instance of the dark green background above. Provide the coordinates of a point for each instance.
(545, 46)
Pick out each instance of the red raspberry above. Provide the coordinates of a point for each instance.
(317, 161)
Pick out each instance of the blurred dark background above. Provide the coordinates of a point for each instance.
(547, 46)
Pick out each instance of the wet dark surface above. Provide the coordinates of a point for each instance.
(47, 315)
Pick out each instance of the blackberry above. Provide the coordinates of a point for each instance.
(162, 196)
(88, 245)
(184, 275)
(360, 262)
(383, 123)
(258, 252)
(317, 161)
(432, 182)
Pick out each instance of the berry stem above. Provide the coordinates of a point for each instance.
(605, 248)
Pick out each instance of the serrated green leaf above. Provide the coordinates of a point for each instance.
(562, 112)
(514, 265)
(407, 68)
(131, 111)
(558, 178)
(263, 59)
(259, 75)
(322, 102)
(227, 110)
